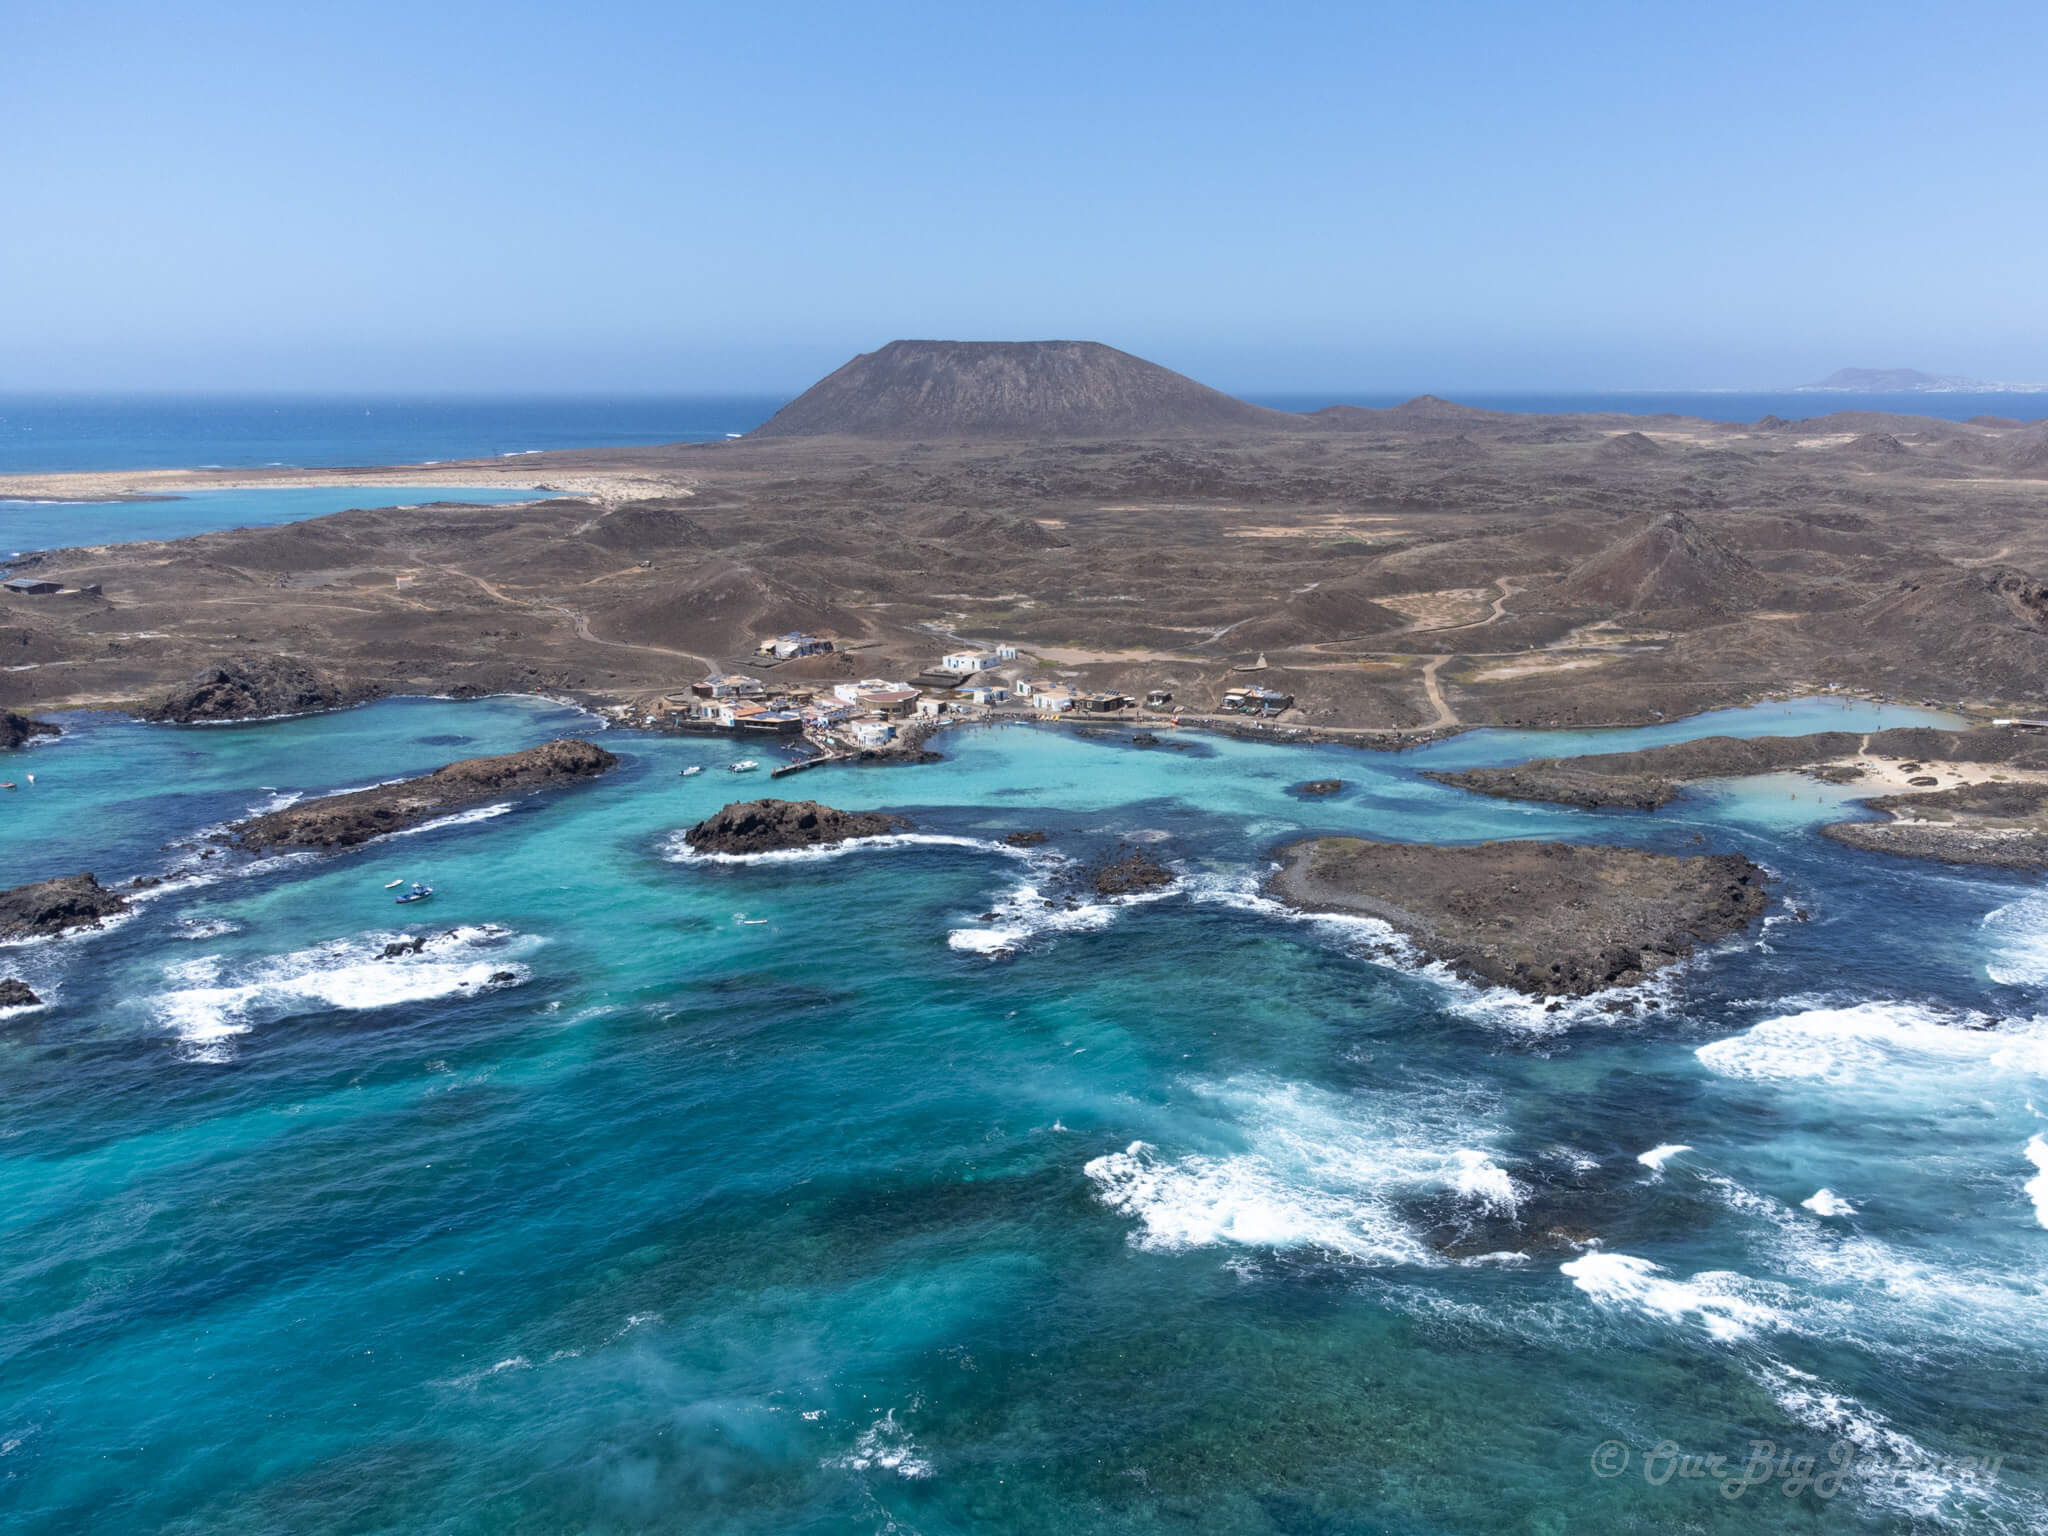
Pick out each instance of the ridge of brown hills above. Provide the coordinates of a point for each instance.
(1398, 570)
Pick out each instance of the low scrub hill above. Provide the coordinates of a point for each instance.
(1010, 389)
(1672, 563)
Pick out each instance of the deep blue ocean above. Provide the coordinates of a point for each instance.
(884, 1190)
(46, 434)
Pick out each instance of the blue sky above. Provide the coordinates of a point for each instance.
(684, 197)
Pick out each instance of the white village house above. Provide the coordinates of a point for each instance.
(977, 661)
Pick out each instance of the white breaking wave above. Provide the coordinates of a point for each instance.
(456, 819)
(1714, 1300)
(2019, 942)
(1320, 1170)
(1825, 1202)
(208, 1003)
(1366, 937)
(1023, 913)
(1874, 1042)
(680, 852)
(1030, 910)
(1888, 1297)
(1884, 1466)
(2037, 1186)
(1380, 943)
(884, 1446)
(1657, 1157)
(198, 928)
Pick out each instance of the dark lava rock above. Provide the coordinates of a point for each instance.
(1144, 739)
(342, 821)
(1133, 871)
(762, 826)
(1654, 776)
(1319, 787)
(55, 906)
(1025, 839)
(253, 687)
(1925, 781)
(500, 978)
(16, 994)
(1552, 919)
(1999, 825)
(399, 947)
(16, 729)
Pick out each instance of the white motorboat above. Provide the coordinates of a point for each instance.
(693, 770)
(744, 765)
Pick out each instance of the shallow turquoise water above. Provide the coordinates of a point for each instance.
(866, 1192)
(32, 525)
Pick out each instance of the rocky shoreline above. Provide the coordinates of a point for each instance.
(344, 821)
(1547, 919)
(258, 688)
(17, 730)
(769, 826)
(1998, 825)
(47, 908)
(1652, 778)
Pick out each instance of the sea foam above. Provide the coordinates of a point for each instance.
(2037, 1186)
(208, 1002)
(1318, 1170)
(1714, 1301)
(1871, 1043)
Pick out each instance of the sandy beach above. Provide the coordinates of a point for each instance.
(523, 472)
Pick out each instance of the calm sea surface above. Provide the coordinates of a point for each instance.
(886, 1191)
(42, 434)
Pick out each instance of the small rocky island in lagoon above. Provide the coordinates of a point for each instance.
(1551, 919)
(343, 821)
(769, 826)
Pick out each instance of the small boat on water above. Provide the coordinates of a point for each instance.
(744, 765)
(693, 770)
(391, 885)
(417, 893)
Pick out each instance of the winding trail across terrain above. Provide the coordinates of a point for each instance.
(577, 620)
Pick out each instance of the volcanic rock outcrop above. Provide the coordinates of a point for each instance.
(1653, 777)
(343, 821)
(1132, 872)
(15, 993)
(254, 688)
(1551, 919)
(50, 907)
(1008, 389)
(16, 729)
(764, 826)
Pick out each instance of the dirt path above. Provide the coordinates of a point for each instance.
(577, 620)
(1445, 715)
(1500, 604)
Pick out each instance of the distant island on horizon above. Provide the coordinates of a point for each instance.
(1909, 381)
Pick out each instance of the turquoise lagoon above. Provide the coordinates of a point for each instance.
(887, 1190)
(31, 525)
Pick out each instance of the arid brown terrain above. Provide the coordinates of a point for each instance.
(1421, 567)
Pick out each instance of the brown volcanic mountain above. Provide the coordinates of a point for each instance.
(1009, 389)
